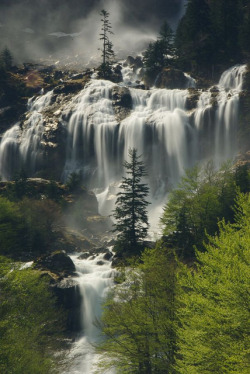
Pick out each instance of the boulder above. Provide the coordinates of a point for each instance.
(84, 256)
(57, 262)
(122, 102)
(69, 297)
(108, 255)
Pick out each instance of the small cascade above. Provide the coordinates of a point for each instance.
(91, 131)
(158, 128)
(191, 82)
(232, 79)
(216, 118)
(95, 277)
(131, 76)
(9, 152)
(21, 147)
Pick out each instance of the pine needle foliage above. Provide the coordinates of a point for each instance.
(131, 207)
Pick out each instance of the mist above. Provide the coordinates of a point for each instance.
(68, 30)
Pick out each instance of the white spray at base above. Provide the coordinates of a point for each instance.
(95, 277)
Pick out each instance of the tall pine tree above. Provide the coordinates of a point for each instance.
(107, 46)
(131, 207)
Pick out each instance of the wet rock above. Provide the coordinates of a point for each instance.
(192, 99)
(58, 262)
(108, 255)
(77, 76)
(69, 87)
(84, 256)
(100, 263)
(69, 298)
(129, 61)
(58, 74)
(122, 102)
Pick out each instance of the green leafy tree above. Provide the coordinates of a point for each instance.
(30, 322)
(107, 46)
(139, 318)
(27, 227)
(131, 207)
(194, 208)
(214, 329)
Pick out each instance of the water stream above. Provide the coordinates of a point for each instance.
(95, 277)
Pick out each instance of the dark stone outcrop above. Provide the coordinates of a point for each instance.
(68, 296)
(122, 102)
(58, 262)
(192, 99)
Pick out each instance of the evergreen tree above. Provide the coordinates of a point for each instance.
(130, 212)
(107, 46)
(227, 19)
(244, 32)
(30, 321)
(6, 58)
(157, 55)
(202, 198)
(194, 37)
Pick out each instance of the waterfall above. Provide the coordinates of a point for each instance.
(95, 277)
(169, 138)
(91, 131)
(22, 147)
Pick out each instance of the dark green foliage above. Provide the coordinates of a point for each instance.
(74, 182)
(30, 323)
(159, 53)
(245, 28)
(11, 227)
(131, 208)
(6, 59)
(226, 19)
(107, 46)
(26, 227)
(213, 35)
(194, 36)
(139, 318)
(202, 198)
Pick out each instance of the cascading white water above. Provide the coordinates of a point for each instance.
(216, 118)
(95, 277)
(169, 137)
(20, 147)
(91, 131)
(131, 77)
